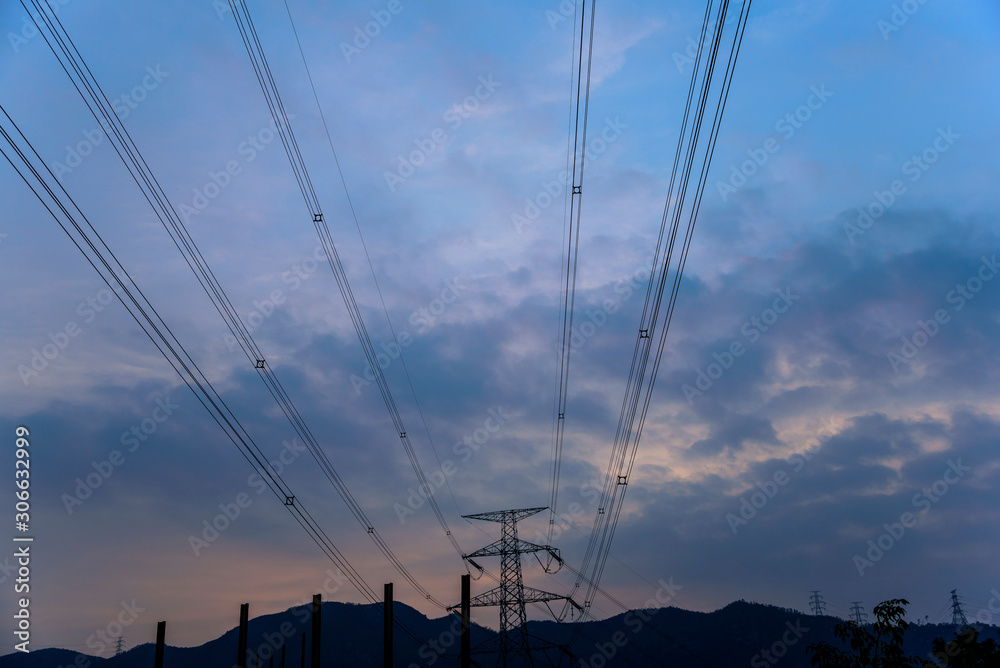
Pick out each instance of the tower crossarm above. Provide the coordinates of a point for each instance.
(505, 515)
(532, 595)
(499, 547)
(499, 595)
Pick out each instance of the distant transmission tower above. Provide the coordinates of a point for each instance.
(119, 646)
(512, 643)
(957, 614)
(859, 615)
(816, 600)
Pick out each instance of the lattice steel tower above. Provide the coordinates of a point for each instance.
(958, 617)
(860, 616)
(818, 604)
(512, 643)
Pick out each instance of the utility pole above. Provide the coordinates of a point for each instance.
(859, 615)
(387, 627)
(316, 611)
(816, 600)
(161, 633)
(119, 646)
(466, 646)
(958, 617)
(512, 643)
(241, 646)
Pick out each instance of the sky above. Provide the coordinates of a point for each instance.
(826, 414)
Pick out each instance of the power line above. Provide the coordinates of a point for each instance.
(27, 161)
(116, 277)
(271, 95)
(652, 324)
(141, 173)
(577, 160)
(364, 246)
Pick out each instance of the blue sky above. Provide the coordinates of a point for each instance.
(816, 409)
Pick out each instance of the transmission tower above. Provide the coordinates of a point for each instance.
(859, 615)
(957, 614)
(512, 644)
(817, 602)
(119, 646)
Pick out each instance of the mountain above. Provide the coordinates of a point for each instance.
(739, 634)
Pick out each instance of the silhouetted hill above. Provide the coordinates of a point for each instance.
(738, 635)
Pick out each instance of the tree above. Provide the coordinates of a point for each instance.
(965, 651)
(882, 647)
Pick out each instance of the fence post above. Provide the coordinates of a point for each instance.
(387, 627)
(161, 632)
(317, 602)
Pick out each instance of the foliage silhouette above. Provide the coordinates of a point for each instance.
(965, 651)
(881, 647)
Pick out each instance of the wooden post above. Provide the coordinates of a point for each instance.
(466, 645)
(317, 602)
(161, 633)
(241, 647)
(302, 664)
(387, 627)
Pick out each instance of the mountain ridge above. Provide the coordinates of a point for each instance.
(740, 633)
